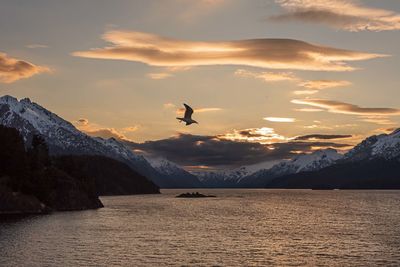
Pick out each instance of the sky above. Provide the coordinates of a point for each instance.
(268, 79)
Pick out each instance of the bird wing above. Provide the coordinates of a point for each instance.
(188, 112)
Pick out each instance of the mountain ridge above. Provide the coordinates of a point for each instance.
(64, 139)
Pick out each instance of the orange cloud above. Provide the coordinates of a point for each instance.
(340, 14)
(93, 129)
(378, 120)
(277, 119)
(129, 129)
(265, 53)
(12, 69)
(106, 133)
(169, 105)
(312, 86)
(159, 75)
(267, 76)
(345, 108)
(33, 46)
(309, 109)
(323, 84)
(263, 135)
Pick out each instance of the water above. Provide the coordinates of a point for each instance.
(238, 228)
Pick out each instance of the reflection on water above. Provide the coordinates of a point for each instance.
(238, 228)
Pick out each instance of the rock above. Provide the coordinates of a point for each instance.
(193, 195)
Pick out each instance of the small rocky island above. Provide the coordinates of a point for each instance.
(193, 195)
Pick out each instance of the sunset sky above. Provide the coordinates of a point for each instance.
(267, 78)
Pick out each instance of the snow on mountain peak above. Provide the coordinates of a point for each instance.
(163, 165)
(376, 146)
(387, 145)
(316, 160)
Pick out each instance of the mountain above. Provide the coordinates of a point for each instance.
(302, 163)
(30, 183)
(372, 164)
(385, 146)
(370, 174)
(64, 139)
(258, 175)
(177, 177)
(112, 177)
(226, 178)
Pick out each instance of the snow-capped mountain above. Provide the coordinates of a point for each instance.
(229, 178)
(176, 176)
(308, 162)
(302, 163)
(372, 164)
(385, 146)
(257, 175)
(223, 178)
(63, 138)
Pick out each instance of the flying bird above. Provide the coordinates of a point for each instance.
(188, 116)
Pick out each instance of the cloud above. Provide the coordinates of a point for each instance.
(305, 92)
(263, 135)
(160, 51)
(312, 86)
(159, 75)
(129, 129)
(345, 108)
(12, 69)
(308, 109)
(267, 76)
(106, 133)
(322, 137)
(96, 130)
(169, 105)
(33, 46)
(323, 84)
(276, 119)
(340, 14)
(213, 151)
(82, 122)
(378, 120)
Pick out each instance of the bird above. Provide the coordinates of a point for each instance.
(188, 116)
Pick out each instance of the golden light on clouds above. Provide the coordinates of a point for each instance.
(308, 109)
(159, 75)
(340, 14)
(169, 105)
(323, 84)
(12, 69)
(311, 86)
(265, 53)
(278, 119)
(267, 76)
(263, 135)
(96, 130)
(345, 108)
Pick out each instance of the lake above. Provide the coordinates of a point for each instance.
(237, 228)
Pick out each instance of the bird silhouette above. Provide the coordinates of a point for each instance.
(188, 116)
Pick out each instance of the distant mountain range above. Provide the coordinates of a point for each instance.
(377, 156)
(64, 139)
(258, 175)
(372, 164)
(302, 163)
(177, 177)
